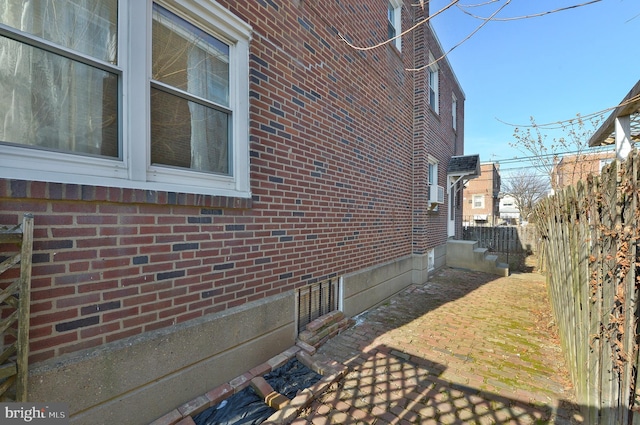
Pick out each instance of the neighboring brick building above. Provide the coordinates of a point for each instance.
(481, 204)
(172, 234)
(573, 168)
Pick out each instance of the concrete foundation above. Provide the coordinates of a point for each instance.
(137, 380)
(368, 287)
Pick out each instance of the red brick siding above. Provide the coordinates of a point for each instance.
(434, 138)
(573, 168)
(487, 185)
(332, 177)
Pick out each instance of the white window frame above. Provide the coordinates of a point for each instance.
(396, 22)
(433, 84)
(605, 162)
(432, 171)
(133, 169)
(478, 198)
(432, 183)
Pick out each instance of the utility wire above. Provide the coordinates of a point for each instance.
(535, 15)
(455, 3)
(444, 55)
(562, 123)
(477, 5)
(598, 149)
(422, 22)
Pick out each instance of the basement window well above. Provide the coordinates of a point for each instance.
(317, 299)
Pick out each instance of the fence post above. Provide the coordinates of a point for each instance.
(24, 307)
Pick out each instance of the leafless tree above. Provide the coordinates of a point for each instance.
(546, 154)
(526, 187)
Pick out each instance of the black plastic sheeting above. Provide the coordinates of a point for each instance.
(247, 408)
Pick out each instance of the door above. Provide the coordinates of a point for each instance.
(451, 221)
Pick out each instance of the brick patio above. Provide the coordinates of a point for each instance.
(465, 348)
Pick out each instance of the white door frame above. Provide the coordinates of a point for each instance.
(452, 190)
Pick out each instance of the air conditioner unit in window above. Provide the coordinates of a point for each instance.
(436, 194)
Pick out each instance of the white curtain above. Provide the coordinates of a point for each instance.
(15, 81)
(189, 59)
(209, 128)
(55, 102)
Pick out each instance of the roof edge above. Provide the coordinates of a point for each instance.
(608, 126)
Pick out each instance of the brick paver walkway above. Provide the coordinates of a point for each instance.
(465, 348)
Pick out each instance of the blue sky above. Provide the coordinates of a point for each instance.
(552, 67)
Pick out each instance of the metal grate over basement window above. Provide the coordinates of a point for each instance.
(317, 299)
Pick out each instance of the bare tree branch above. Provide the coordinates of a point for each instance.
(464, 39)
(422, 22)
(545, 154)
(462, 8)
(527, 188)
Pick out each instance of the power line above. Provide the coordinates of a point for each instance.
(561, 124)
(422, 22)
(486, 20)
(534, 15)
(471, 34)
(598, 149)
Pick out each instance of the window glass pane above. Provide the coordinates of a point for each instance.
(188, 135)
(87, 26)
(433, 178)
(432, 76)
(391, 21)
(52, 102)
(189, 59)
(478, 201)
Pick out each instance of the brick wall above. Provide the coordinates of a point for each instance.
(333, 135)
(487, 186)
(573, 168)
(434, 139)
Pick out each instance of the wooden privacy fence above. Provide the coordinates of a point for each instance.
(17, 241)
(589, 236)
(514, 239)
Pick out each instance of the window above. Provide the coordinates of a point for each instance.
(454, 111)
(61, 73)
(317, 299)
(95, 100)
(432, 82)
(478, 201)
(190, 112)
(605, 162)
(433, 173)
(436, 193)
(394, 21)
